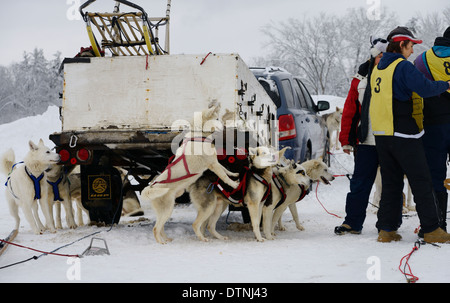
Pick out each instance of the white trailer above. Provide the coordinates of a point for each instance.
(125, 110)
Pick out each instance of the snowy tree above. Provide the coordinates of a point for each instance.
(30, 86)
(327, 50)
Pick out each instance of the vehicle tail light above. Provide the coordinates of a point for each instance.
(241, 153)
(286, 126)
(83, 155)
(221, 154)
(64, 155)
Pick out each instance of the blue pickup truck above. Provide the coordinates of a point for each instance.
(300, 125)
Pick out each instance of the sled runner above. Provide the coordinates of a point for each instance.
(4, 243)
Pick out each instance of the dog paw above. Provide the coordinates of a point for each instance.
(260, 239)
(281, 228)
(234, 184)
(300, 227)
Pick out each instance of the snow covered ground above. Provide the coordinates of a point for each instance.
(313, 255)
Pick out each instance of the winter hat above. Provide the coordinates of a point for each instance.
(379, 45)
(402, 33)
(447, 33)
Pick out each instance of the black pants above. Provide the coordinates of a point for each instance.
(399, 157)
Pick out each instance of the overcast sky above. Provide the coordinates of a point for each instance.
(198, 26)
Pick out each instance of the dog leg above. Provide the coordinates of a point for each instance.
(203, 214)
(30, 210)
(57, 205)
(221, 172)
(337, 140)
(255, 211)
(267, 222)
(13, 210)
(221, 205)
(409, 204)
(163, 207)
(205, 205)
(49, 221)
(67, 203)
(277, 217)
(293, 209)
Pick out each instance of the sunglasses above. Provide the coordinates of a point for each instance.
(374, 42)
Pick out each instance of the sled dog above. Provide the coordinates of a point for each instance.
(407, 200)
(333, 121)
(211, 206)
(316, 170)
(186, 168)
(59, 193)
(26, 185)
(289, 184)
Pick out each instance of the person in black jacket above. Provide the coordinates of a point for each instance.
(398, 138)
(435, 65)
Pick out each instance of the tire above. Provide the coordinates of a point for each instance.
(308, 153)
(326, 153)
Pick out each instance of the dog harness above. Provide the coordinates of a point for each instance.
(181, 158)
(279, 186)
(277, 183)
(36, 183)
(55, 188)
(236, 196)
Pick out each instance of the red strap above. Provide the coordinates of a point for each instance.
(413, 278)
(182, 158)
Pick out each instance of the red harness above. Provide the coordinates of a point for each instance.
(181, 158)
(236, 196)
(283, 193)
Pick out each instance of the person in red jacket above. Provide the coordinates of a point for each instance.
(356, 136)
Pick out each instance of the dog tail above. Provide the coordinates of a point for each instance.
(7, 161)
(150, 193)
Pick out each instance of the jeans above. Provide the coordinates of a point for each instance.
(365, 171)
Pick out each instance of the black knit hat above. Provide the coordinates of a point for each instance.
(402, 33)
(447, 33)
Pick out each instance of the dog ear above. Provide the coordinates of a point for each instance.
(32, 145)
(281, 153)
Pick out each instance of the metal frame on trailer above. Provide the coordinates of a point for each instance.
(126, 33)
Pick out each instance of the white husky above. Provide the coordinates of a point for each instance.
(316, 170)
(59, 193)
(187, 166)
(289, 185)
(333, 121)
(25, 185)
(211, 206)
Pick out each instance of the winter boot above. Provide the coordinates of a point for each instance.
(437, 236)
(388, 236)
(345, 228)
(442, 203)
